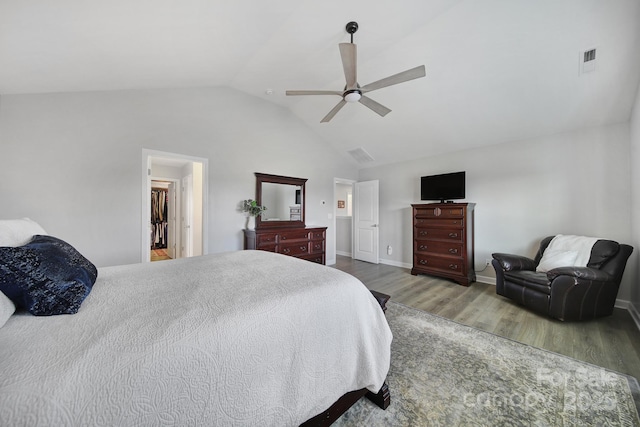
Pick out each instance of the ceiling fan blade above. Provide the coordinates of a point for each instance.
(414, 73)
(333, 112)
(312, 92)
(373, 105)
(348, 53)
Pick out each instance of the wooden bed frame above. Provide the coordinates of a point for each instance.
(342, 405)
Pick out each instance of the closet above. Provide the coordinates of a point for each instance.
(159, 214)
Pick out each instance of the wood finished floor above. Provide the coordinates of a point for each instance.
(612, 342)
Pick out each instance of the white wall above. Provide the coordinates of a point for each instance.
(635, 205)
(570, 183)
(72, 161)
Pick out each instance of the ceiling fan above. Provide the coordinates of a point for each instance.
(353, 92)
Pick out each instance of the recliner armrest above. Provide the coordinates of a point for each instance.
(510, 262)
(585, 273)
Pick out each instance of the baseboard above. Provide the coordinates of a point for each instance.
(635, 314)
(486, 279)
(343, 253)
(395, 263)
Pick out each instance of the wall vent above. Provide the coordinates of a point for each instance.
(588, 60)
(361, 155)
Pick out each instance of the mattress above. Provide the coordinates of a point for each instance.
(234, 339)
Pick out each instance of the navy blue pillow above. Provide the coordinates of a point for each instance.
(47, 276)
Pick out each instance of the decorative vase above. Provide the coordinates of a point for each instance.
(251, 222)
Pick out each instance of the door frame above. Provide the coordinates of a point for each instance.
(145, 214)
(350, 182)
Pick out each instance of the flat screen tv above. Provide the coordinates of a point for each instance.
(443, 187)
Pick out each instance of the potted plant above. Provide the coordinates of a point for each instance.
(252, 209)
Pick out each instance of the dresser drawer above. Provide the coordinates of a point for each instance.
(438, 233)
(432, 262)
(317, 235)
(318, 258)
(294, 249)
(440, 212)
(284, 236)
(317, 246)
(438, 247)
(450, 223)
(266, 239)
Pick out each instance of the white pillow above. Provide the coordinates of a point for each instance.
(6, 309)
(556, 258)
(18, 232)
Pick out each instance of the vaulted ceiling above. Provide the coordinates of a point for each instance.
(497, 70)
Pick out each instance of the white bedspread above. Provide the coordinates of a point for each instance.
(245, 338)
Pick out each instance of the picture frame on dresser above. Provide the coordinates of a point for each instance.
(282, 229)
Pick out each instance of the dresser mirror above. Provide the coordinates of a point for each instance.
(284, 198)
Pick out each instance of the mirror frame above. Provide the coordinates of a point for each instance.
(277, 179)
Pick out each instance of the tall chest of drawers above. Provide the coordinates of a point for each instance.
(443, 241)
(306, 243)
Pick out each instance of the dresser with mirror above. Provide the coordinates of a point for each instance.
(281, 228)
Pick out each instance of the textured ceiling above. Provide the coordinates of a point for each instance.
(497, 71)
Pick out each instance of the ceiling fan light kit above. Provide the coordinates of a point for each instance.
(352, 95)
(353, 92)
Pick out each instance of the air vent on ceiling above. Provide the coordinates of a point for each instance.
(361, 155)
(588, 60)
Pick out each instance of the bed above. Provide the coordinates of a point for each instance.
(233, 339)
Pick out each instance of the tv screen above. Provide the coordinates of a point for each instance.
(447, 186)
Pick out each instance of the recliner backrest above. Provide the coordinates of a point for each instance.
(602, 252)
(606, 255)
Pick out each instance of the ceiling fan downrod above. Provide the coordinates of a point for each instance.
(351, 28)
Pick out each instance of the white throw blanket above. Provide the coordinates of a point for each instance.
(580, 244)
(245, 338)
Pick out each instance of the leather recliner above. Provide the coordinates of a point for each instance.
(565, 293)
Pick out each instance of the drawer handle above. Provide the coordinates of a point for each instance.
(423, 261)
(286, 250)
(423, 233)
(423, 247)
(303, 248)
(453, 251)
(455, 222)
(453, 235)
(283, 237)
(318, 246)
(453, 266)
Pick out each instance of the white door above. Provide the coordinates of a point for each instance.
(186, 216)
(171, 221)
(365, 219)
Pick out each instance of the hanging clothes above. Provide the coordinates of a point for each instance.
(159, 225)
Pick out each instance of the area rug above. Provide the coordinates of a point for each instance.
(447, 374)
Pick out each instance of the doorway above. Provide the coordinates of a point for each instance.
(163, 219)
(175, 205)
(356, 212)
(343, 205)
